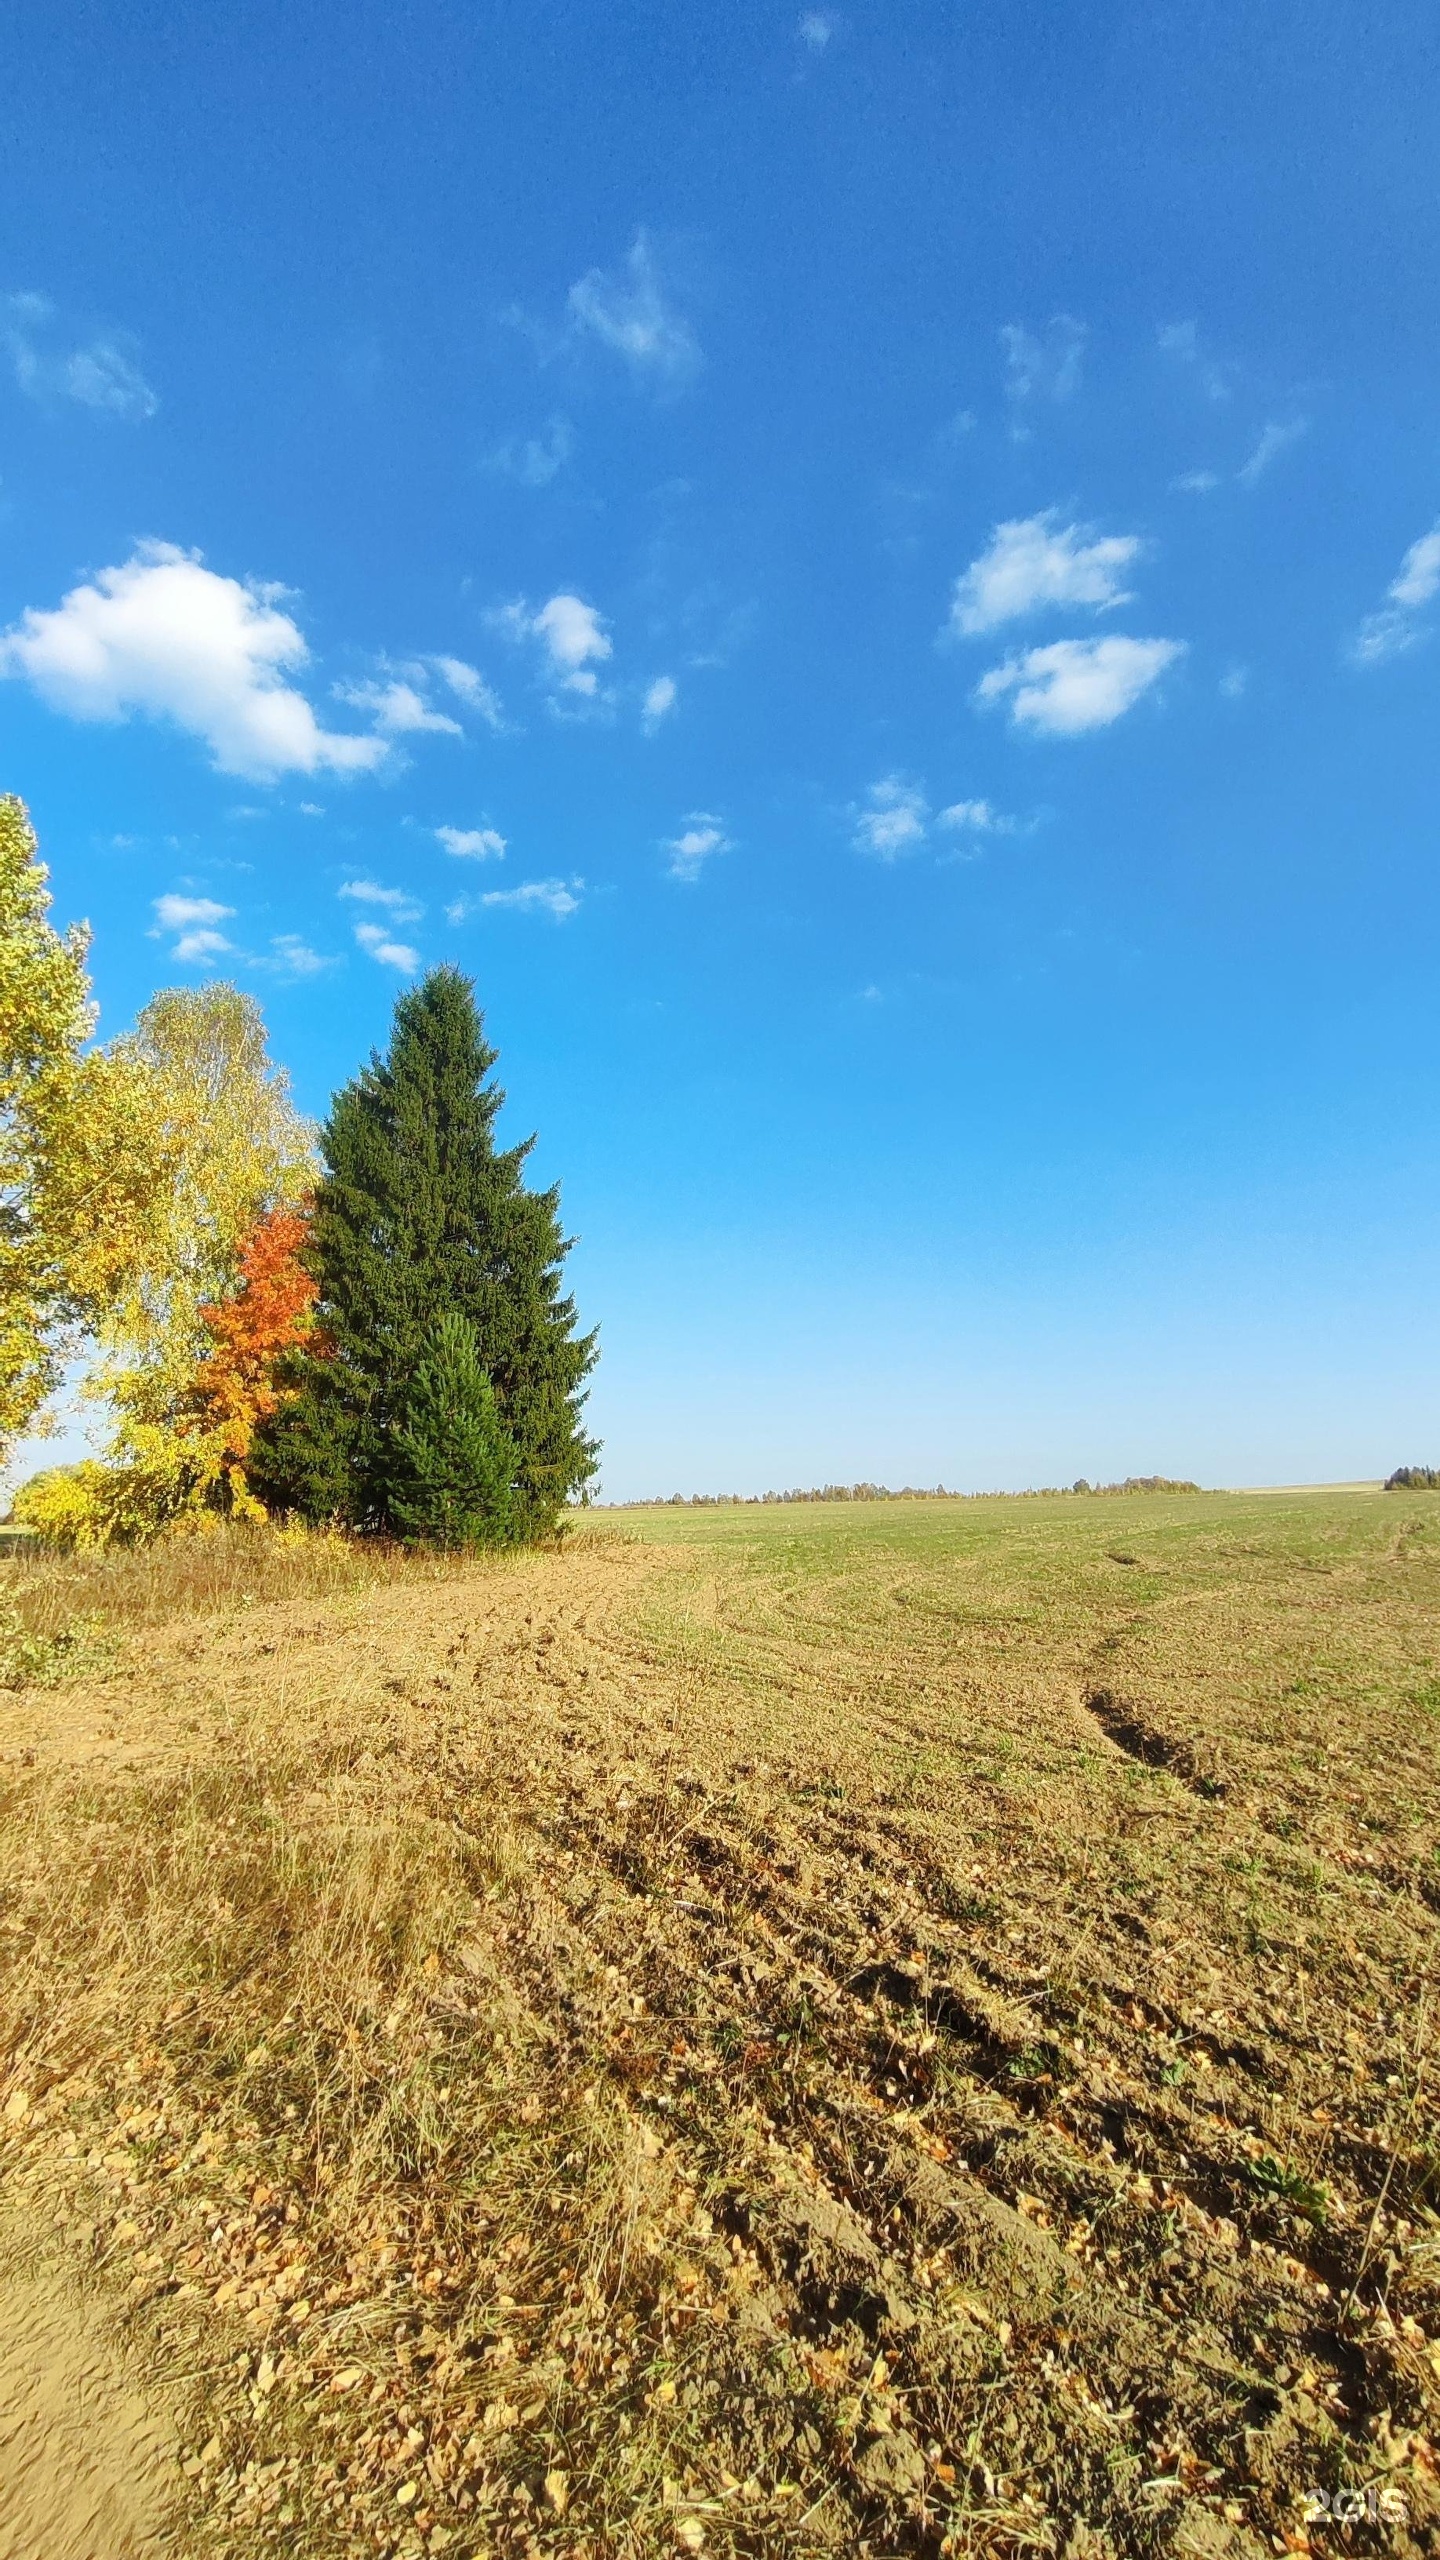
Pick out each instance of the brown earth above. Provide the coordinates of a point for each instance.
(875, 2035)
(87, 2459)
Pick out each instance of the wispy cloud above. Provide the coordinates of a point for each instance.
(174, 910)
(293, 959)
(659, 702)
(571, 636)
(1075, 685)
(100, 372)
(379, 941)
(382, 947)
(702, 835)
(976, 818)
(1276, 437)
(397, 707)
(1397, 625)
(171, 640)
(1034, 562)
(1196, 484)
(1180, 340)
(816, 30)
(535, 460)
(194, 922)
(472, 844)
(1419, 574)
(469, 686)
(626, 309)
(1046, 367)
(893, 820)
(397, 903)
(557, 898)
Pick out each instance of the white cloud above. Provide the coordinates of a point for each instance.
(469, 686)
(1396, 626)
(626, 310)
(1075, 685)
(473, 844)
(1045, 368)
(201, 945)
(535, 460)
(294, 958)
(193, 921)
(172, 640)
(573, 634)
(975, 817)
(1234, 683)
(1181, 340)
(1034, 562)
(550, 897)
(174, 912)
(1276, 437)
(815, 30)
(1418, 579)
(702, 835)
(1386, 634)
(659, 701)
(570, 633)
(894, 819)
(390, 954)
(397, 707)
(101, 374)
(397, 903)
(1197, 484)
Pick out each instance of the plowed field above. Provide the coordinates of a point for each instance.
(872, 2028)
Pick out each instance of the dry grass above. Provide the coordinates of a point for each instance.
(787, 2035)
(226, 1568)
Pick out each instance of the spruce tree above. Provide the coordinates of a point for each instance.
(452, 1472)
(419, 1215)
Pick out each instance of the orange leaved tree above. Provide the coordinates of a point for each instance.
(271, 1311)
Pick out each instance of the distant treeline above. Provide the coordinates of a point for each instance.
(1414, 1480)
(901, 1493)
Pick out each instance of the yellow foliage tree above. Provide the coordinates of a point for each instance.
(72, 1179)
(223, 1144)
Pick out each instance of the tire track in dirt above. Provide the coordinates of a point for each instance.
(87, 2457)
(1131, 1730)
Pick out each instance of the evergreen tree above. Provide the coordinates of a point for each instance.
(420, 1215)
(452, 1461)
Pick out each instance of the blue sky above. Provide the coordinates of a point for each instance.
(874, 575)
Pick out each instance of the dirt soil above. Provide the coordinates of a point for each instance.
(87, 2455)
(879, 2036)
